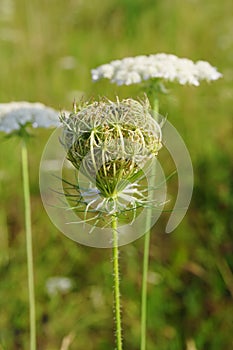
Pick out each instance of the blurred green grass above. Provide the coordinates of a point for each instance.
(190, 287)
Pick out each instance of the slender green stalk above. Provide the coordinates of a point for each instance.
(27, 205)
(144, 287)
(116, 284)
(146, 253)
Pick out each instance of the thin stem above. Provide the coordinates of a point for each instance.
(27, 205)
(116, 284)
(145, 267)
(146, 252)
(144, 286)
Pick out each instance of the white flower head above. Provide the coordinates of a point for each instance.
(14, 115)
(133, 70)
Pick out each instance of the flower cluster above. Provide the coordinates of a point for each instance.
(133, 70)
(111, 143)
(15, 115)
(105, 132)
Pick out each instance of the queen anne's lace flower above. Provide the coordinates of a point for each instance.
(111, 144)
(14, 115)
(132, 70)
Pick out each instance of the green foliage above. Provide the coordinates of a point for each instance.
(190, 280)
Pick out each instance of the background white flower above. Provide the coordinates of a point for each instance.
(132, 70)
(58, 284)
(14, 115)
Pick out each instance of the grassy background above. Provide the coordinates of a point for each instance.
(191, 282)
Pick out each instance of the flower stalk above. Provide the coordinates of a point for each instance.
(26, 191)
(116, 284)
(146, 250)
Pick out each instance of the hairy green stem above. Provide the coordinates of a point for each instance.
(27, 205)
(144, 286)
(116, 285)
(146, 251)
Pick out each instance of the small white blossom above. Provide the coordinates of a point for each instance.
(13, 115)
(132, 70)
(58, 284)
